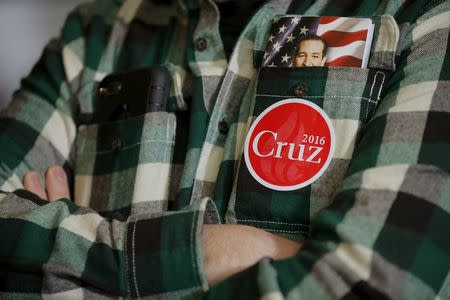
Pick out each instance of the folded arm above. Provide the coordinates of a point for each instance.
(227, 249)
(58, 248)
(384, 236)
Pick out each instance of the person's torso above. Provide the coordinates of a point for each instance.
(165, 160)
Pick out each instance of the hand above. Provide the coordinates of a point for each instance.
(55, 183)
(229, 249)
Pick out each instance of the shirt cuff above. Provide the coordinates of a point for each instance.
(163, 252)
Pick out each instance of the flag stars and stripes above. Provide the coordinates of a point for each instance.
(283, 37)
(346, 39)
(285, 58)
(290, 38)
(277, 46)
(303, 30)
(295, 20)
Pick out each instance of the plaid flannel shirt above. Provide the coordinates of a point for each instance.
(373, 226)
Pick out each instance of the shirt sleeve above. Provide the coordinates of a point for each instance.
(38, 127)
(61, 250)
(385, 234)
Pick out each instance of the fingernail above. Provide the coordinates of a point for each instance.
(35, 179)
(60, 175)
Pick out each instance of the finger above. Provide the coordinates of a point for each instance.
(56, 183)
(32, 183)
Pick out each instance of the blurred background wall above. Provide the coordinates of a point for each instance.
(25, 27)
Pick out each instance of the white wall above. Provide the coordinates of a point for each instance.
(25, 27)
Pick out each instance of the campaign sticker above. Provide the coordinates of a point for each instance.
(289, 145)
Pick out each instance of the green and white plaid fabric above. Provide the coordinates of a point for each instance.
(373, 226)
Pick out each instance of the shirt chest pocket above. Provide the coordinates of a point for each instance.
(125, 165)
(349, 97)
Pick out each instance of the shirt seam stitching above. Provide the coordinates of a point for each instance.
(193, 250)
(130, 146)
(127, 268)
(134, 260)
(273, 222)
(371, 92)
(286, 231)
(331, 96)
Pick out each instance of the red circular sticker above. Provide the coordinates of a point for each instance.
(289, 145)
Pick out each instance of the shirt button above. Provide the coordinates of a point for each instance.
(116, 144)
(201, 44)
(223, 127)
(301, 90)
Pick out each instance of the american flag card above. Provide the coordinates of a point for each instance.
(297, 41)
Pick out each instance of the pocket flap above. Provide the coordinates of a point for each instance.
(384, 44)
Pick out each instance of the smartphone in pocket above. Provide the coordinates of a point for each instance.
(126, 95)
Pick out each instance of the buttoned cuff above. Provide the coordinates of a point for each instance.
(163, 252)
